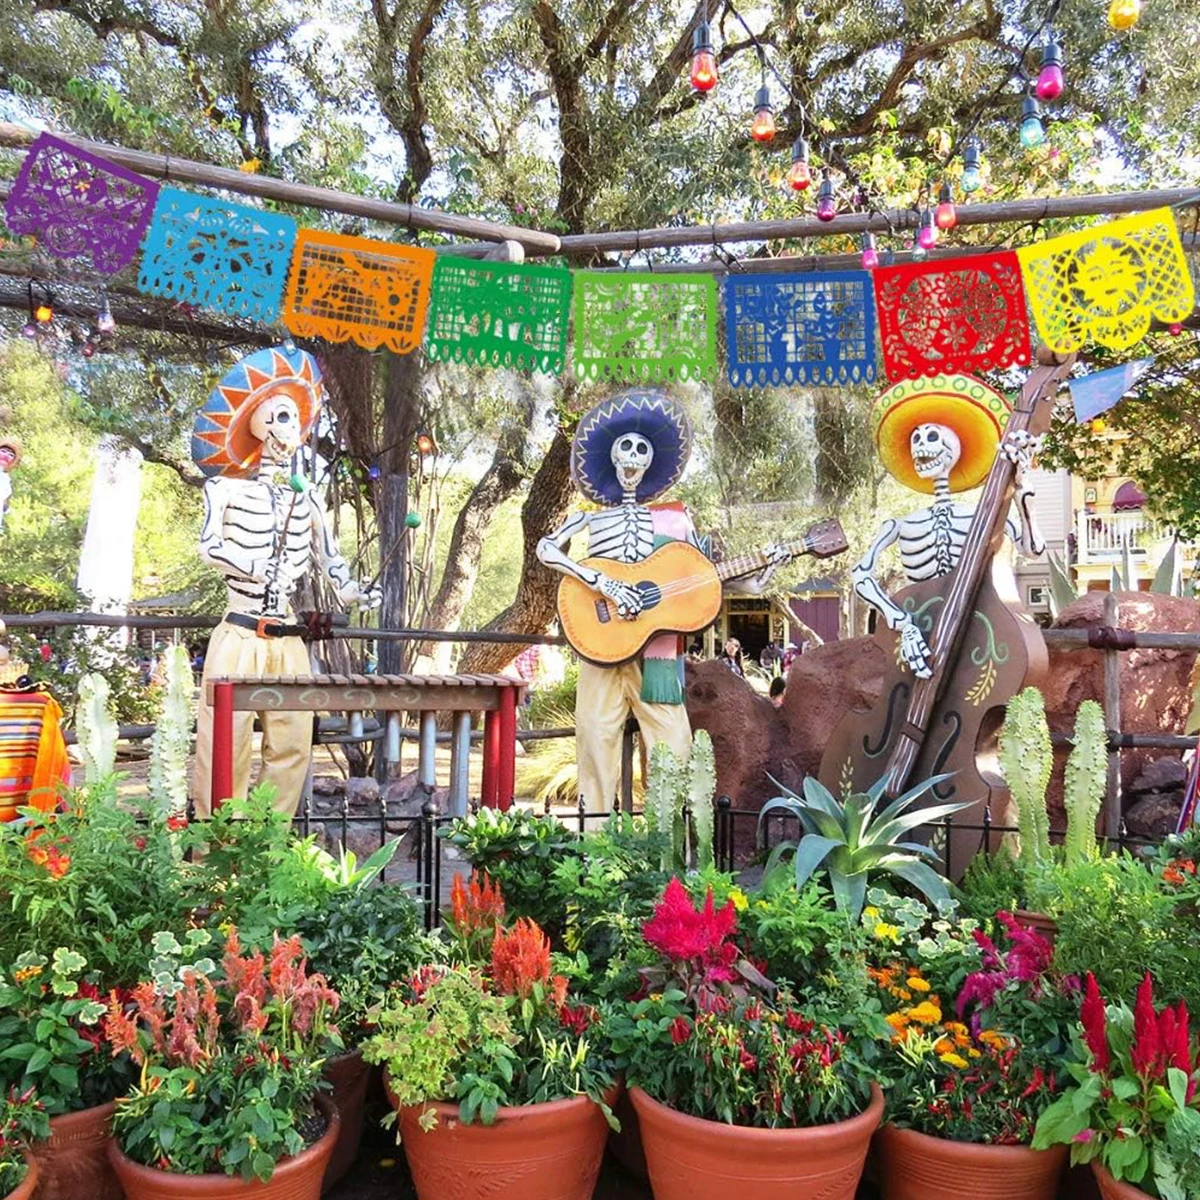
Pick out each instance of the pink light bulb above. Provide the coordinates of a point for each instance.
(927, 238)
(1050, 82)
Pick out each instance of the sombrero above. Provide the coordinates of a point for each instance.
(221, 440)
(652, 414)
(976, 413)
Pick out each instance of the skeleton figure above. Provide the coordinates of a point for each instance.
(261, 533)
(931, 539)
(628, 530)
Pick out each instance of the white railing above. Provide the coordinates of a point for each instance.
(1102, 537)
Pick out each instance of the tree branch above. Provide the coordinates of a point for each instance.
(102, 26)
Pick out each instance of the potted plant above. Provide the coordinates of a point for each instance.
(50, 1031)
(228, 1101)
(501, 1086)
(964, 1095)
(1134, 1111)
(23, 1122)
(735, 1089)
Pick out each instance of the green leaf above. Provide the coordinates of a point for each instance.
(1059, 1124)
(38, 1060)
(924, 878)
(810, 854)
(1177, 1081)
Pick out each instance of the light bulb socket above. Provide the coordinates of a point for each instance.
(762, 100)
(1052, 53)
(702, 39)
(945, 195)
(1030, 108)
(972, 156)
(800, 150)
(825, 192)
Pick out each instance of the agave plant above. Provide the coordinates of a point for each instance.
(852, 842)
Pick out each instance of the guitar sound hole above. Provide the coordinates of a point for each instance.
(651, 594)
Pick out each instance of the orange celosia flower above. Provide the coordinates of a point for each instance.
(477, 906)
(520, 958)
(558, 990)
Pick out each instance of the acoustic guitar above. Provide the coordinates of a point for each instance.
(681, 593)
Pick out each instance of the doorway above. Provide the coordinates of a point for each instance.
(753, 630)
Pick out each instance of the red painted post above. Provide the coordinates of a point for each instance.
(491, 758)
(222, 744)
(508, 747)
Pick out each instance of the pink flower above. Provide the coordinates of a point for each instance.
(1095, 1025)
(1146, 1052)
(681, 932)
(1085, 1135)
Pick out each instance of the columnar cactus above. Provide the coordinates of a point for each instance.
(172, 735)
(671, 786)
(1026, 757)
(702, 785)
(1085, 781)
(95, 728)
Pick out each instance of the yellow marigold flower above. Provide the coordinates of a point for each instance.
(997, 1041)
(918, 984)
(956, 1027)
(944, 1046)
(953, 1060)
(888, 933)
(902, 994)
(896, 1020)
(871, 911)
(972, 1052)
(739, 900)
(927, 1013)
(24, 974)
(250, 166)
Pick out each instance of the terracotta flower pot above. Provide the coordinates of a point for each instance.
(73, 1161)
(1115, 1189)
(535, 1152)
(694, 1159)
(1039, 923)
(24, 1189)
(348, 1075)
(297, 1178)
(914, 1166)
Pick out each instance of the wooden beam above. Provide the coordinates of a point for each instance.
(183, 170)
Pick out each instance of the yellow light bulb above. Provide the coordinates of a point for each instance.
(1123, 14)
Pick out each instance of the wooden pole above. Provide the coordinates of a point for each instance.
(183, 170)
(1112, 723)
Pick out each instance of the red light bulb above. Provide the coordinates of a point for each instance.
(870, 256)
(799, 174)
(946, 215)
(762, 128)
(704, 62)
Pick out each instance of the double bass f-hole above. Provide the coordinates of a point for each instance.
(897, 700)
(953, 718)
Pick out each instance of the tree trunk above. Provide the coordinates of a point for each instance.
(546, 508)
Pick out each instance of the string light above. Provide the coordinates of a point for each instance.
(762, 128)
(799, 174)
(105, 322)
(1032, 132)
(1123, 14)
(826, 205)
(44, 313)
(927, 236)
(870, 256)
(919, 253)
(972, 176)
(704, 62)
(1050, 80)
(946, 215)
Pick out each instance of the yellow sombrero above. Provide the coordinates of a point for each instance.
(976, 413)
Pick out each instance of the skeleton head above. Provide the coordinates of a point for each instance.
(935, 449)
(632, 455)
(276, 423)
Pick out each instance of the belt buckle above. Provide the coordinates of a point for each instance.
(260, 629)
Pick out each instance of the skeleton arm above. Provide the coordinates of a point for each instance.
(552, 551)
(1019, 447)
(215, 548)
(913, 647)
(333, 565)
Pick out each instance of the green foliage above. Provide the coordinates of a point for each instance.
(96, 729)
(993, 882)
(23, 1121)
(853, 843)
(1085, 780)
(96, 878)
(552, 705)
(50, 1014)
(1026, 758)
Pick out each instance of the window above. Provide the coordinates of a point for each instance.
(1038, 595)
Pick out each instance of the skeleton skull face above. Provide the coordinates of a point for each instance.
(632, 455)
(276, 423)
(935, 450)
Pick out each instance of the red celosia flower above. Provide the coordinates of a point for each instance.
(681, 1030)
(176, 823)
(681, 932)
(1180, 1052)
(578, 1019)
(1095, 1025)
(244, 974)
(1145, 1053)
(520, 958)
(477, 906)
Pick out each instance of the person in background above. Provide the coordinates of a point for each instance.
(731, 656)
(776, 690)
(696, 649)
(790, 655)
(770, 657)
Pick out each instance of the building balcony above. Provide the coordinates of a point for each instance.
(1104, 537)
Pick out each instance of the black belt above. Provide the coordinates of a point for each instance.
(267, 627)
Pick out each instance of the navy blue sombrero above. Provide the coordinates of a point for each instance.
(652, 414)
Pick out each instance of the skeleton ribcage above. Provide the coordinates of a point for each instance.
(931, 541)
(253, 521)
(625, 533)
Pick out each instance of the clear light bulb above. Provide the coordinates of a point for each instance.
(972, 176)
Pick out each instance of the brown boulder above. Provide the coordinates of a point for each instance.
(1154, 816)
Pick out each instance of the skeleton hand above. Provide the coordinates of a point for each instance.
(1020, 447)
(365, 597)
(914, 649)
(777, 556)
(627, 599)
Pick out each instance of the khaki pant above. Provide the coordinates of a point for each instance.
(604, 698)
(286, 737)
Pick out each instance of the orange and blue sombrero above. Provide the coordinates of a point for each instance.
(977, 413)
(221, 440)
(657, 418)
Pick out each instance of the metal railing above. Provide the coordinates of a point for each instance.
(1103, 537)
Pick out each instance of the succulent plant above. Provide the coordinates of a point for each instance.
(674, 786)
(96, 728)
(1026, 758)
(172, 735)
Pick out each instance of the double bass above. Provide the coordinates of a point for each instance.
(984, 648)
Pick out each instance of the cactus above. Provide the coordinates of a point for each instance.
(95, 729)
(1085, 781)
(702, 784)
(1026, 758)
(172, 735)
(662, 796)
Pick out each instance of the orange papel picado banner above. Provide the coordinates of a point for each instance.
(352, 289)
